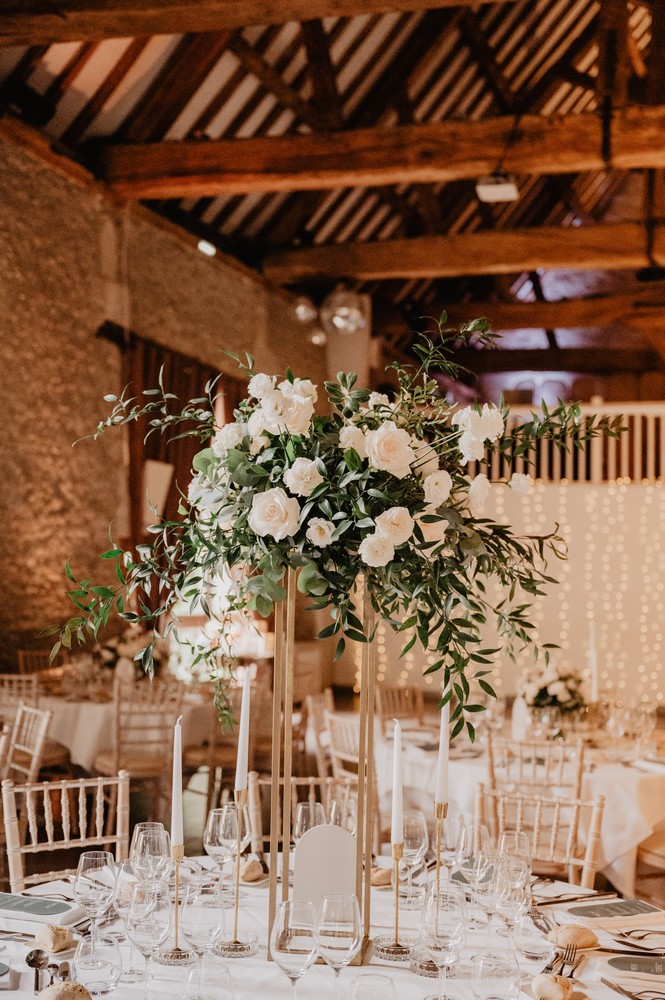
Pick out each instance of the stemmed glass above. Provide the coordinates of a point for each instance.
(202, 922)
(512, 906)
(338, 932)
(127, 879)
(220, 840)
(494, 715)
(308, 815)
(515, 844)
(489, 886)
(293, 939)
(416, 842)
(97, 966)
(471, 858)
(450, 830)
(148, 922)
(495, 974)
(150, 851)
(342, 812)
(94, 887)
(443, 928)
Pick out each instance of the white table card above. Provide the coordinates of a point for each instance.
(324, 861)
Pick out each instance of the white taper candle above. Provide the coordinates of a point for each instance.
(243, 736)
(397, 827)
(177, 834)
(441, 793)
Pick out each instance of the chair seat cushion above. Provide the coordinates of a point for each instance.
(194, 757)
(53, 755)
(139, 765)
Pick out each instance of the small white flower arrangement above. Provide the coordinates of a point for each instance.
(554, 684)
(122, 651)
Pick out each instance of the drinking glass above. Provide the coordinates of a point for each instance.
(97, 964)
(94, 886)
(308, 815)
(150, 851)
(220, 840)
(293, 939)
(533, 936)
(343, 812)
(149, 919)
(443, 928)
(470, 860)
(202, 923)
(416, 842)
(488, 887)
(125, 882)
(450, 830)
(212, 982)
(369, 986)
(512, 906)
(494, 715)
(338, 931)
(515, 844)
(495, 974)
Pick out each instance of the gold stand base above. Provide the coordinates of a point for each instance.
(389, 950)
(240, 948)
(176, 956)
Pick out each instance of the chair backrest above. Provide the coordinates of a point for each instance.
(548, 768)
(399, 703)
(344, 743)
(31, 661)
(317, 705)
(561, 831)
(24, 752)
(144, 716)
(63, 815)
(17, 689)
(342, 791)
(306, 677)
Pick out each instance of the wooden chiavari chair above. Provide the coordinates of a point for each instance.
(17, 689)
(317, 705)
(547, 768)
(405, 704)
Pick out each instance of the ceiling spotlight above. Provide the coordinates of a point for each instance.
(305, 310)
(318, 337)
(497, 187)
(343, 311)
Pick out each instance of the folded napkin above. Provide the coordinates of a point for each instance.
(36, 909)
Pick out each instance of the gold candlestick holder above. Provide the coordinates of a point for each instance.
(389, 947)
(177, 955)
(236, 946)
(440, 813)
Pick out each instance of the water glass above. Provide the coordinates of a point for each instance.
(125, 882)
(293, 939)
(495, 974)
(308, 815)
(533, 936)
(212, 981)
(443, 928)
(369, 986)
(416, 842)
(515, 844)
(450, 831)
(220, 839)
(150, 851)
(472, 860)
(94, 885)
(202, 922)
(97, 964)
(343, 812)
(338, 932)
(149, 920)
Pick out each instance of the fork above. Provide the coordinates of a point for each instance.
(640, 995)
(638, 933)
(568, 957)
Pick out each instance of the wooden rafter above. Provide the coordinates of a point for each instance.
(31, 22)
(322, 73)
(439, 152)
(598, 361)
(616, 245)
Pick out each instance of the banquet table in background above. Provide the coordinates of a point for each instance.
(634, 796)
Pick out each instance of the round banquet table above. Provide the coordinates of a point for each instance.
(634, 796)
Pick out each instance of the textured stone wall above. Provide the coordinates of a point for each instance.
(56, 501)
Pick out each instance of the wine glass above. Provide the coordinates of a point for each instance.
(338, 931)
(202, 922)
(512, 906)
(97, 965)
(494, 715)
(443, 928)
(488, 886)
(220, 840)
(308, 815)
(416, 842)
(126, 880)
(148, 922)
(369, 986)
(94, 886)
(343, 812)
(515, 844)
(211, 981)
(534, 934)
(495, 974)
(150, 851)
(293, 939)
(450, 830)
(471, 859)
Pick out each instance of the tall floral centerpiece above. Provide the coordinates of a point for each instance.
(373, 488)
(556, 685)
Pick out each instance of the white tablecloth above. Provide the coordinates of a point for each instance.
(634, 799)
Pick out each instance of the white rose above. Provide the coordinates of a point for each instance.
(377, 399)
(256, 424)
(559, 691)
(549, 675)
(491, 422)
(461, 418)
(300, 389)
(472, 448)
(228, 436)
(261, 385)
(389, 449)
(283, 414)
(320, 532)
(531, 691)
(257, 444)
(427, 460)
(437, 487)
(376, 550)
(521, 483)
(395, 524)
(353, 437)
(274, 513)
(479, 491)
(303, 477)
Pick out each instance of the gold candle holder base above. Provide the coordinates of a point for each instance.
(440, 813)
(177, 955)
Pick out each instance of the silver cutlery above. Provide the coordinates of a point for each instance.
(635, 943)
(586, 898)
(639, 995)
(52, 969)
(633, 952)
(37, 960)
(568, 958)
(63, 971)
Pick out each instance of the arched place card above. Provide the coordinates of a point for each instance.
(324, 861)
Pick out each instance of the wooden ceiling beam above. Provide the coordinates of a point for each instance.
(604, 247)
(33, 22)
(430, 153)
(585, 360)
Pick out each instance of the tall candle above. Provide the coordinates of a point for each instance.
(441, 793)
(177, 837)
(593, 662)
(243, 736)
(397, 827)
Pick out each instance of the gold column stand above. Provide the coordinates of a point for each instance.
(440, 813)
(235, 946)
(388, 946)
(177, 955)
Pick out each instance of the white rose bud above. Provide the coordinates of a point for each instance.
(261, 385)
(462, 417)
(274, 513)
(395, 524)
(320, 532)
(303, 477)
(389, 449)
(521, 483)
(228, 436)
(437, 487)
(377, 399)
(300, 389)
(479, 491)
(353, 437)
(491, 422)
(376, 550)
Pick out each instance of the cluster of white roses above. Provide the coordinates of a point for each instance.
(553, 684)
